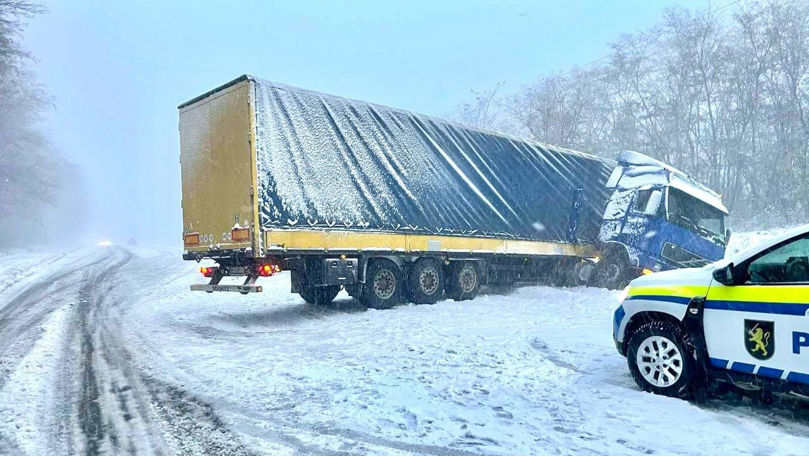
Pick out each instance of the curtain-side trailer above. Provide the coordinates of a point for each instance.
(387, 204)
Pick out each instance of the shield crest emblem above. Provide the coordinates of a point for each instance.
(759, 338)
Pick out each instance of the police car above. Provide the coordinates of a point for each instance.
(744, 319)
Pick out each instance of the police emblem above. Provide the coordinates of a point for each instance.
(759, 338)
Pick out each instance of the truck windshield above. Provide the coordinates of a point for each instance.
(696, 215)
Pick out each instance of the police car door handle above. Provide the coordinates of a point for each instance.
(696, 306)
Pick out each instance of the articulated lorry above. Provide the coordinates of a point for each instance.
(392, 206)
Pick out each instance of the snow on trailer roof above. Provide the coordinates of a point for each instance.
(392, 170)
(280, 85)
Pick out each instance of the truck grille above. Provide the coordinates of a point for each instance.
(681, 257)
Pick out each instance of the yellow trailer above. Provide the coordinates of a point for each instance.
(351, 195)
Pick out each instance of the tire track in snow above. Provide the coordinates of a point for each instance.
(31, 306)
(280, 427)
(120, 408)
(22, 318)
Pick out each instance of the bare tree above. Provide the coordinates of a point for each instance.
(482, 111)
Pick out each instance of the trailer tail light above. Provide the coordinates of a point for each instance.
(207, 271)
(191, 239)
(240, 234)
(266, 270)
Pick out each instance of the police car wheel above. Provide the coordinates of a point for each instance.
(661, 359)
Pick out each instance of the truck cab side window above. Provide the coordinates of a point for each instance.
(648, 202)
(642, 200)
(788, 263)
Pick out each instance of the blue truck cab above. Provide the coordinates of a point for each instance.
(657, 219)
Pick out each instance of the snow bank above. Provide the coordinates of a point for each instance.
(745, 240)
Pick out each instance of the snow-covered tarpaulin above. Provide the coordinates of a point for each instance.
(330, 162)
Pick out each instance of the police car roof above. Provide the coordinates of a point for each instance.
(788, 234)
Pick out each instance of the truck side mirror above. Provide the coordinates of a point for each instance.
(727, 236)
(725, 275)
(653, 205)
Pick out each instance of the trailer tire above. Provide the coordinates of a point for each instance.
(464, 282)
(425, 281)
(661, 359)
(383, 285)
(319, 296)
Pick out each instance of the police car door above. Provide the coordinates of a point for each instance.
(761, 327)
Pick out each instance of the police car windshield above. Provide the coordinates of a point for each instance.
(696, 215)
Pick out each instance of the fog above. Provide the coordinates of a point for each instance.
(115, 73)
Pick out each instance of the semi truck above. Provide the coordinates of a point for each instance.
(394, 206)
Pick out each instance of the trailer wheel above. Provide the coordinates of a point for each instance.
(319, 296)
(425, 282)
(464, 281)
(383, 285)
(661, 359)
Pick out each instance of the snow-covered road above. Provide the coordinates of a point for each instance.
(104, 351)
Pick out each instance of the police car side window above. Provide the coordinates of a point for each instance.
(788, 263)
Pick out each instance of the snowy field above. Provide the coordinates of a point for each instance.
(105, 351)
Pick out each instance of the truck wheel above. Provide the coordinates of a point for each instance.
(383, 285)
(425, 282)
(661, 359)
(612, 273)
(464, 281)
(319, 296)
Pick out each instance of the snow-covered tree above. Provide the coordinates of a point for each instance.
(37, 185)
(721, 93)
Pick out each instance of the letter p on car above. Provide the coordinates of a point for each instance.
(799, 341)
